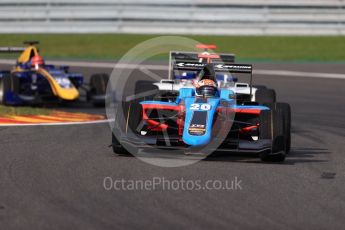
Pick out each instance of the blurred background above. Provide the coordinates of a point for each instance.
(296, 30)
(222, 17)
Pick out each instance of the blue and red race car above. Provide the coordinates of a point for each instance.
(204, 116)
(32, 81)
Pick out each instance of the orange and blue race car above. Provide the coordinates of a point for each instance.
(32, 81)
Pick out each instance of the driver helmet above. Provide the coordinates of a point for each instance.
(37, 62)
(206, 88)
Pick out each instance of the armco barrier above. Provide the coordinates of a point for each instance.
(223, 17)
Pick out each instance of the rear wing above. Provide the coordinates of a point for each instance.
(195, 61)
(18, 49)
(195, 67)
(12, 49)
(195, 57)
(218, 67)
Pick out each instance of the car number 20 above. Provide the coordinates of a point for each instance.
(203, 107)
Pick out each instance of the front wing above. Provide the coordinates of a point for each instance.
(162, 132)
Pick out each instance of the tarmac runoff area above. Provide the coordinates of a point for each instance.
(52, 177)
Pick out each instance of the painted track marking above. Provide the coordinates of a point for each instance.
(58, 124)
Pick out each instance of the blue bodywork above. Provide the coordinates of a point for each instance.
(206, 109)
(205, 137)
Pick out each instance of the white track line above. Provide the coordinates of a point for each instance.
(58, 124)
(104, 65)
(108, 65)
(299, 74)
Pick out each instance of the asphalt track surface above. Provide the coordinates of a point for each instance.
(52, 177)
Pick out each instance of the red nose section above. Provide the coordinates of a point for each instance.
(37, 60)
(209, 56)
(206, 47)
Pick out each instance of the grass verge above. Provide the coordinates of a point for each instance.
(258, 48)
(8, 111)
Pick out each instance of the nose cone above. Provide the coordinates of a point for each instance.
(199, 120)
(197, 140)
(68, 94)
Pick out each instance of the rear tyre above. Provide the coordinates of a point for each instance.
(264, 95)
(287, 123)
(273, 127)
(260, 87)
(98, 89)
(145, 90)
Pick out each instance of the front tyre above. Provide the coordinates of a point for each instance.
(132, 112)
(265, 96)
(117, 147)
(8, 84)
(273, 127)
